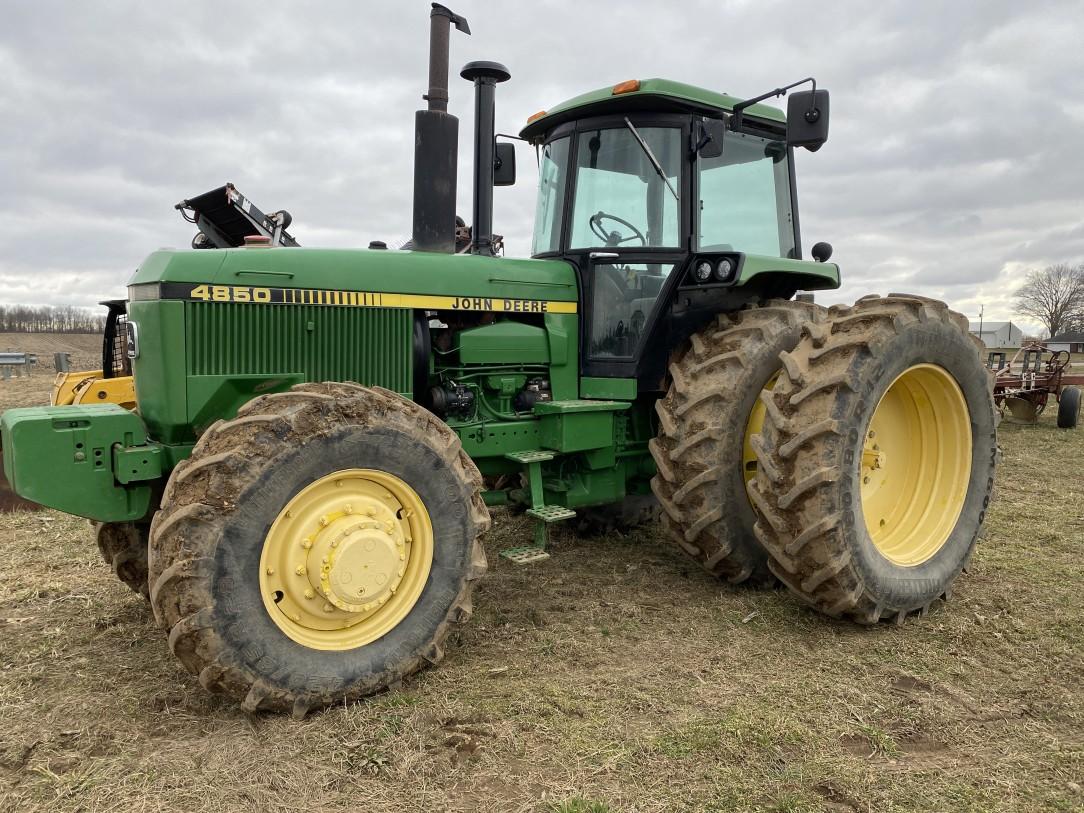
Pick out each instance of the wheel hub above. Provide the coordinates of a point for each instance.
(346, 559)
(358, 564)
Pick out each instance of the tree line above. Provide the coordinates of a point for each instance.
(50, 319)
(1055, 296)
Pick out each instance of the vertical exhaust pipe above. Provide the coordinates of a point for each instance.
(485, 76)
(436, 139)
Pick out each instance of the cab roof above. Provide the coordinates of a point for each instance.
(643, 94)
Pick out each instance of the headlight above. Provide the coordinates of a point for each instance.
(702, 271)
(724, 269)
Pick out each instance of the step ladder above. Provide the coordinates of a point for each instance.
(543, 514)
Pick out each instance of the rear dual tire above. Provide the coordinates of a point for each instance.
(835, 538)
(701, 449)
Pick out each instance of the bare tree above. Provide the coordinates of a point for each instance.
(47, 319)
(1054, 296)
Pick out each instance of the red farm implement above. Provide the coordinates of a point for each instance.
(1024, 384)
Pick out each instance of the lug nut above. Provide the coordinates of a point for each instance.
(306, 543)
(270, 571)
(309, 593)
(301, 570)
(324, 522)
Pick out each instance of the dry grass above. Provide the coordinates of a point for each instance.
(612, 677)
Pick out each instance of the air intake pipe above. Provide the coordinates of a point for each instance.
(485, 76)
(436, 140)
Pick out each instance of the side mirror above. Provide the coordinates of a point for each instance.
(807, 119)
(504, 165)
(709, 143)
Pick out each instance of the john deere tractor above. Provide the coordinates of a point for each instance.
(302, 487)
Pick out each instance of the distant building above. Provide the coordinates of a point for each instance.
(998, 334)
(1072, 341)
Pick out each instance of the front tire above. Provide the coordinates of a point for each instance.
(123, 546)
(876, 461)
(290, 562)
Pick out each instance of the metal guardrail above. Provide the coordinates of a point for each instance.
(12, 363)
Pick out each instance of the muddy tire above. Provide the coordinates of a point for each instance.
(217, 513)
(700, 450)
(1069, 408)
(635, 511)
(123, 546)
(908, 366)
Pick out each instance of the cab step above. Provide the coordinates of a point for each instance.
(530, 456)
(543, 515)
(525, 554)
(551, 513)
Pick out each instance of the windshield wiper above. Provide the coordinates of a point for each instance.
(651, 157)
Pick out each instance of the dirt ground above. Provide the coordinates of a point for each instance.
(612, 677)
(85, 349)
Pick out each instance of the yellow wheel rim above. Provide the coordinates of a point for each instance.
(916, 464)
(346, 559)
(753, 425)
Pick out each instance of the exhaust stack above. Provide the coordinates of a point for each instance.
(436, 139)
(485, 76)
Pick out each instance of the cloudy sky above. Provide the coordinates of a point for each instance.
(954, 163)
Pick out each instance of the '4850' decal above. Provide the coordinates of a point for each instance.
(230, 293)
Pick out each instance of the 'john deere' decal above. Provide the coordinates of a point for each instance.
(355, 299)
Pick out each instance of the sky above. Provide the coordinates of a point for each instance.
(953, 166)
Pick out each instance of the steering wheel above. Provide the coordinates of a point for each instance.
(614, 238)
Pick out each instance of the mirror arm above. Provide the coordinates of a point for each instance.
(739, 108)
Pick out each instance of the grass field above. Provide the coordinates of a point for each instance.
(612, 677)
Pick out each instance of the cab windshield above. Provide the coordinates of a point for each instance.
(620, 199)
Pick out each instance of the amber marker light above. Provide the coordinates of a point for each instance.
(628, 86)
(536, 116)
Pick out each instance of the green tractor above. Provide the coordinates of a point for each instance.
(303, 485)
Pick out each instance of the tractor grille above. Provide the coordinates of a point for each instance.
(371, 346)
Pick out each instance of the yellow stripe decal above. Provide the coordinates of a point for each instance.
(359, 299)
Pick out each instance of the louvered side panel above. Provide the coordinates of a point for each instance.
(369, 345)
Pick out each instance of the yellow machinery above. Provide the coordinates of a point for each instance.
(88, 387)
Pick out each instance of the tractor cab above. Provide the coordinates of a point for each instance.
(668, 199)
